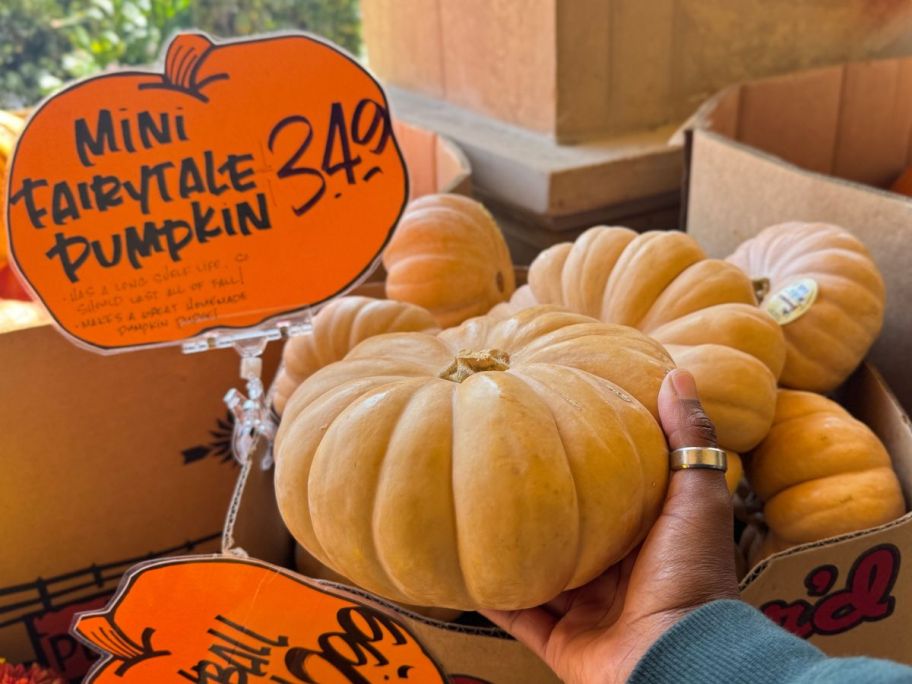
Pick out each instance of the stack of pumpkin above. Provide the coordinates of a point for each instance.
(467, 444)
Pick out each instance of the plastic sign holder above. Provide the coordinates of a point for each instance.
(213, 204)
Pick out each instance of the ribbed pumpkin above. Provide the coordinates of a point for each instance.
(310, 567)
(448, 256)
(492, 466)
(820, 472)
(337, 328)
(702, 309)
(827, 341)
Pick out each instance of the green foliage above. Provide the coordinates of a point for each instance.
(109, 32)
(46, 42)
(32, 50)
(338, 20)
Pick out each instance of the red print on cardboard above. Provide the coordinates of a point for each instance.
(865, 597)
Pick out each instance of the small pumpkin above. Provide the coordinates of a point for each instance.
(337, 328)
(492, 466)
(820, 472)
(830, 270)
(448, 256)
(703, 310)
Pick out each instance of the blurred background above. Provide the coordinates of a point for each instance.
(44, 43)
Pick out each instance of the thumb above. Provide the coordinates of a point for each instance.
(698, 498)
(683, 419)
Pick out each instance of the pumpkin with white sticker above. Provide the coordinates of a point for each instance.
(822, 285)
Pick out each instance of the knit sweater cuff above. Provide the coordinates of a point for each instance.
(725, 641)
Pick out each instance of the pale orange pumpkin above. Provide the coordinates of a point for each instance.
(832, 270)
(337, 328)
(703, 310)
(448, 256)
(734, 472)
(309, 566)
(492, 466)
(820, 473)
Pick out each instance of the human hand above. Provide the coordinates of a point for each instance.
(599, 632)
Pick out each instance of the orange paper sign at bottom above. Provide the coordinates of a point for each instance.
(221, 619)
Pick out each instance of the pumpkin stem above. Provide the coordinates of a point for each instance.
(761, 288)
(468, 363)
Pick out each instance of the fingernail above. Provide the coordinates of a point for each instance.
(683, 384)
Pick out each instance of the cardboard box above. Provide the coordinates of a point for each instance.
(850, 595)
(434, 162)
(585, 68)
(106, 461)
(779, 583)
(813, 146)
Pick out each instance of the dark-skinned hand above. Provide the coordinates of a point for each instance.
(600, 631)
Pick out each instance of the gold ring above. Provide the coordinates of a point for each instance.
(698, 457)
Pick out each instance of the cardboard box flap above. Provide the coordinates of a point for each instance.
(867, 397)
(852, 121)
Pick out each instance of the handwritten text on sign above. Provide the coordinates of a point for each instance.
(249, 180)
(230, 620)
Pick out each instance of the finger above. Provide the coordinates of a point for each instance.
(698, 506)
(683, 419)
(686, 425)
(531, 626)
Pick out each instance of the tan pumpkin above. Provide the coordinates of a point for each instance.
(826, 342)
(310, 567)
(737, 391)
(735, 471)
(820, 472)
(492, 466)
(337, 328)
(448, 256)
(703, 311)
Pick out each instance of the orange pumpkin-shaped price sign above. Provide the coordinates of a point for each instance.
(233, 621)
(249, 180)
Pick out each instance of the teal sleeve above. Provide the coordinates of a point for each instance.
(729, 641)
